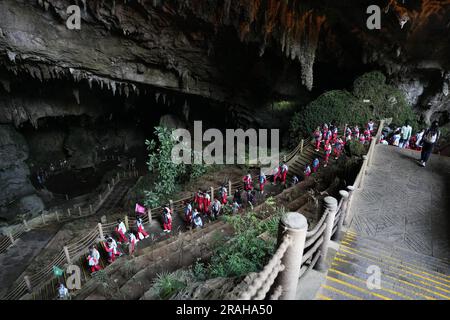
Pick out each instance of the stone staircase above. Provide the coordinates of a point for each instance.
(404, 274)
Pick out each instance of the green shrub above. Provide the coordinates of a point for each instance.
(168, 174)
(244, 253)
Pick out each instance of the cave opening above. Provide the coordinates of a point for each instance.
(97, 131)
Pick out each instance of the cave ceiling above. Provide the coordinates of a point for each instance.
(223, 50)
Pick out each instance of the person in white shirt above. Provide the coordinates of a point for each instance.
(63, 292)
(121, 230)
(396, 139)
(405, 134)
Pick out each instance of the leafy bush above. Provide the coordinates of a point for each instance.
(357, 148)
(386, 101)
(168, 173)
(244, 253)
(168, 284)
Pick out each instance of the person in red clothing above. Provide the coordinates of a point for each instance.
(94, 259)
(142, 234)
(316, 165)
(317, 138)
(121, 230)
(338, 146)
(248, 182)
(327, 153)
(167, 219)
(224, 194)
(206, 202)
(284, 171)
(199, 201)
(276, 174)
(262, 182)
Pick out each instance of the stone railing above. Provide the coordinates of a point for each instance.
(13, 233)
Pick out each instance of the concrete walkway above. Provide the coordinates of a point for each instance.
(405, 204)
(398, 234)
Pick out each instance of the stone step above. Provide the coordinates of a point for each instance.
(398, 271)
(402, 255)
(396, 283)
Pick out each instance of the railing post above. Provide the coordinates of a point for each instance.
(126, 222)
(294, 225)
(350, 190)
(212, 194)
(28, 283)
(27, 227)
(149, 213)
(338, 234)
(66, 252)
(68, 212)
(363, 170)
(330, 206)
(67, 197)
(43, 218)
(100, 231)
(91, 209)
(11, 237)
(56, 215)
(79, 211)
(229, 188)
(301, 146)
(171, 205)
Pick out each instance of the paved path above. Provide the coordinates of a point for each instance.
(399, 229)
(405, 204)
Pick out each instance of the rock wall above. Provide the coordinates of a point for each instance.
(18, 196)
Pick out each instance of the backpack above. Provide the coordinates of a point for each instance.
(430, 136)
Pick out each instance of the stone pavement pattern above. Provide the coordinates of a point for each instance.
(404, 203)
(400, 228)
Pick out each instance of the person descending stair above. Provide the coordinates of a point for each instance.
(188, 214)
(284, 172)
(215, 209)
(335, 134)
(356, 131)
(248, 182)
(295, 180)
(198, 200)
(121, 230)
(93, 259)
(338, 146)
(307, 171)
(111, 249)
(142, 234)
(276, 174)
(317, 138)
(362, 138)
(206, 202)
(223, 194)
(237, 196)
(262, 182)
(167, 219)
(315, 165)
(197, 221)
(327, 148)
(132, 240)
